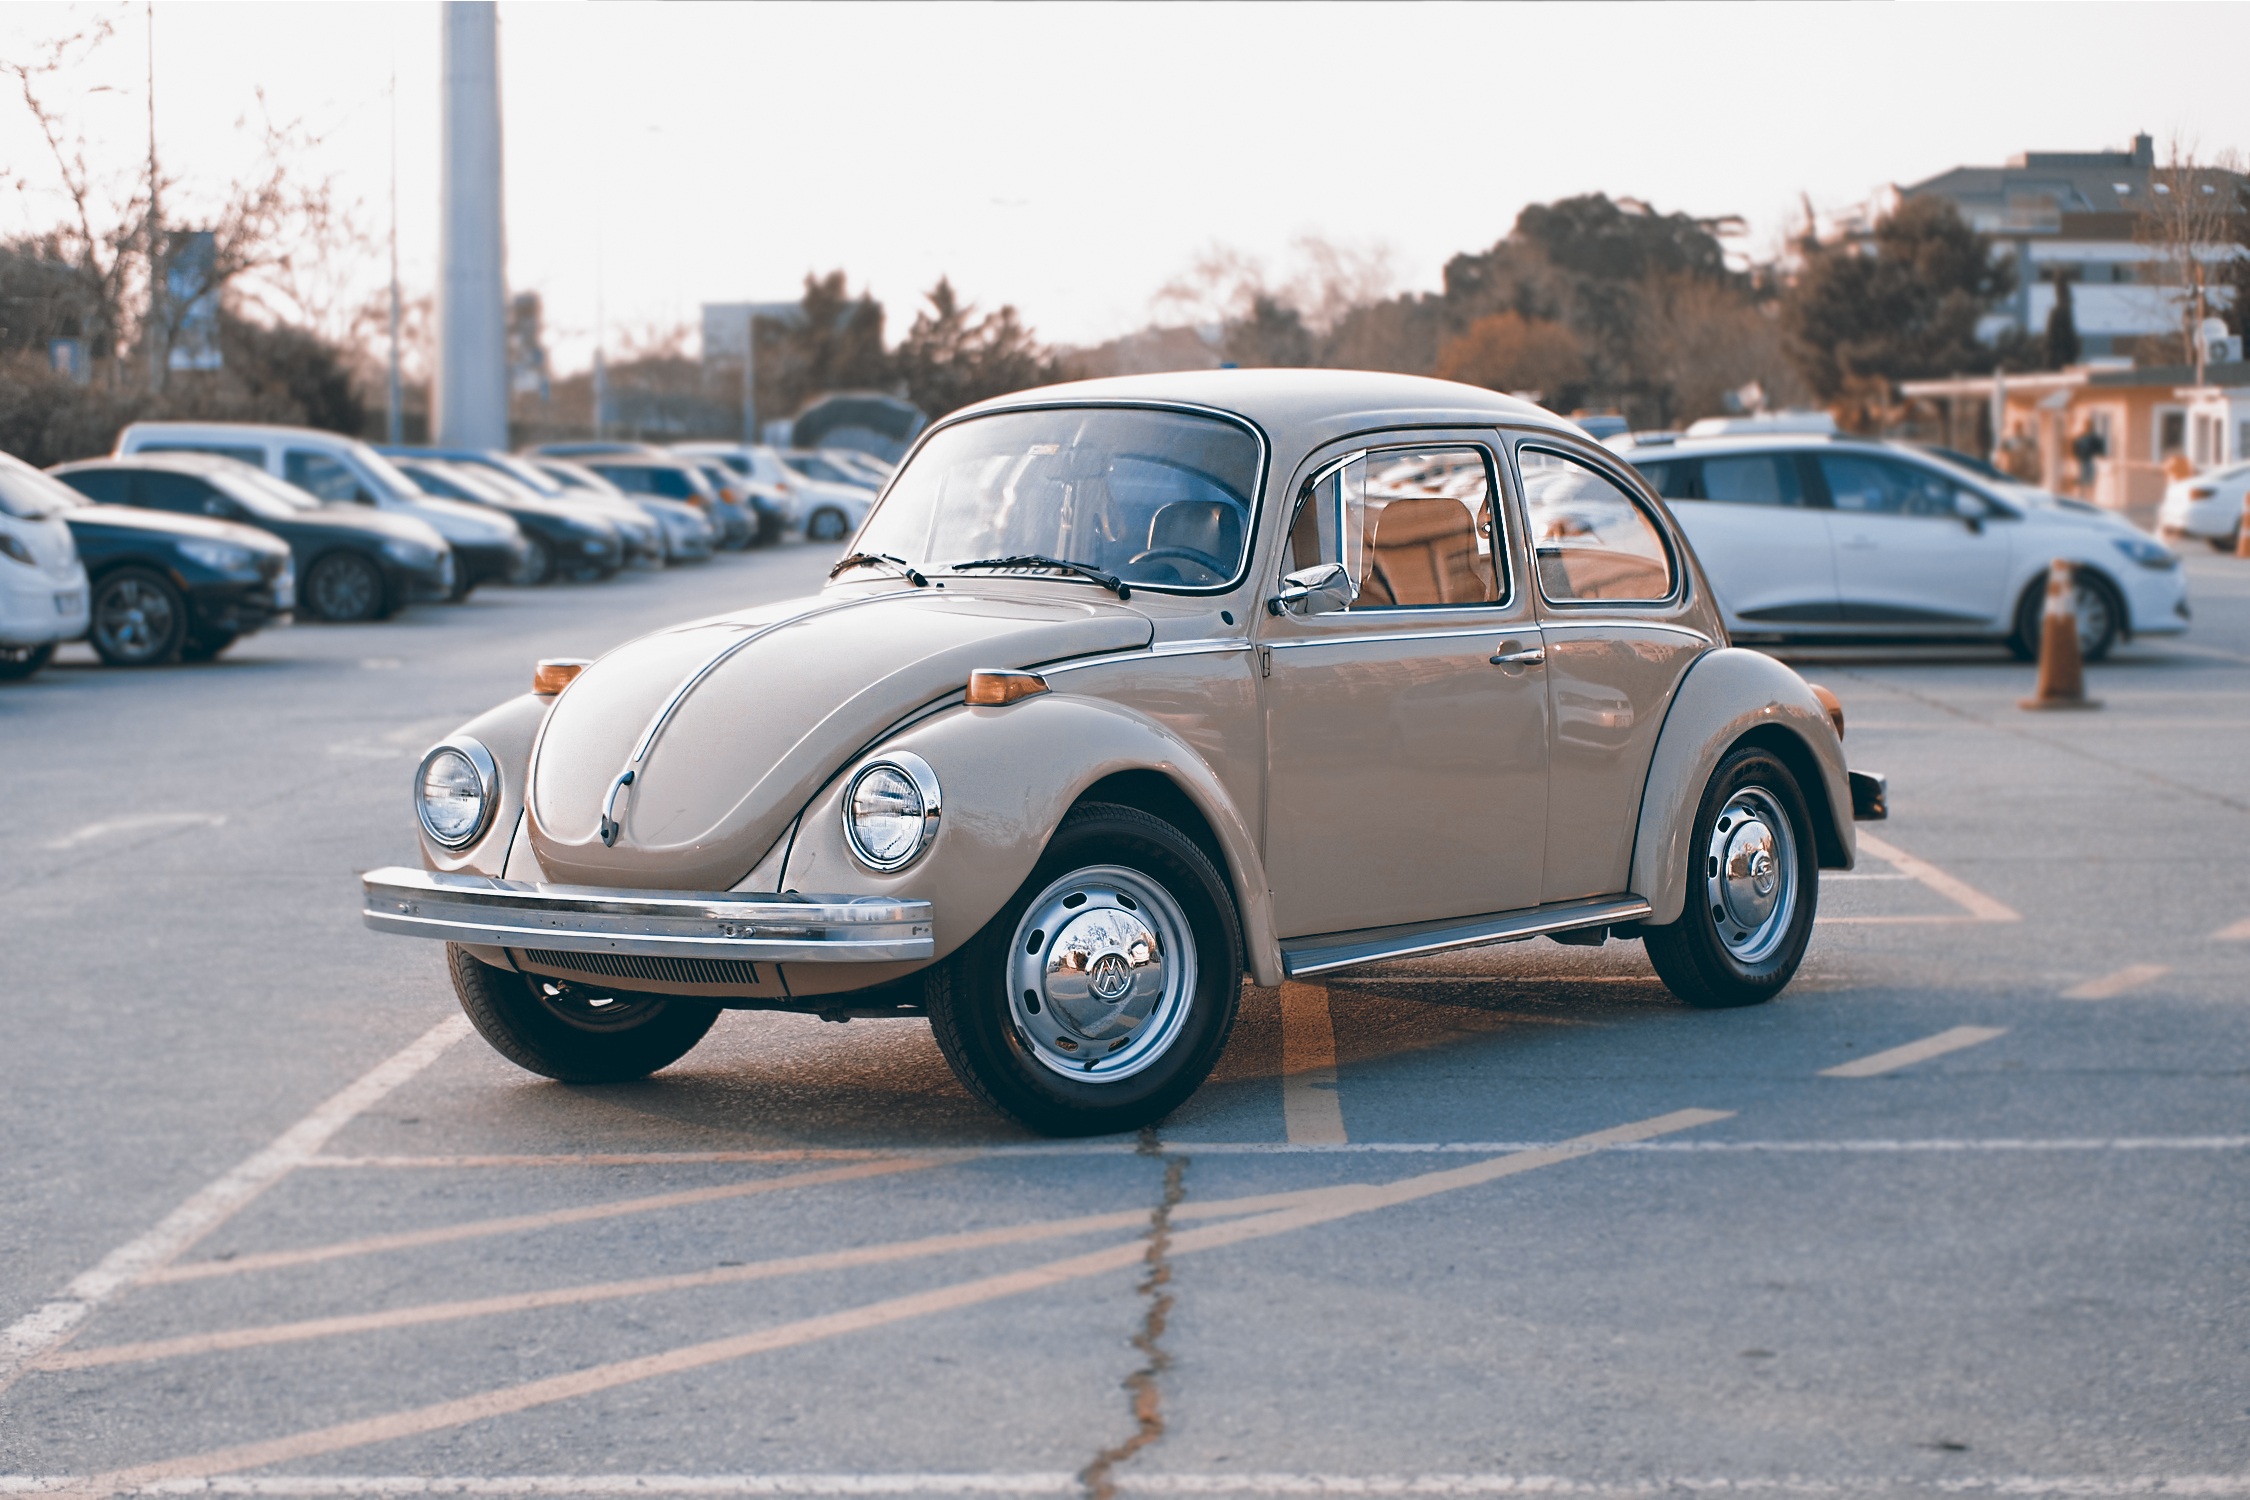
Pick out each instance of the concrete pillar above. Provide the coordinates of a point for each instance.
(471, 406)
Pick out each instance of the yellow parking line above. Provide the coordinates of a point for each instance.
(1914, 1052)
(1322, 1206)
(520, 1223)
(1977, 906)
(1310, 1110)
(2131, 977)
(2233, 932)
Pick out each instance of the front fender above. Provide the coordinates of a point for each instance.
(1725, 696)
(1007, 776)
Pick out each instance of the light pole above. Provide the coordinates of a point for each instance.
(472, 375)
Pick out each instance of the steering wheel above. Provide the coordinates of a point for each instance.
(1215, 566)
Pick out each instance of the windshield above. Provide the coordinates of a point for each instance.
(1157, 498)
(29, 495)
(277, 498)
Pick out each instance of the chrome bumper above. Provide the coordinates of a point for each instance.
(657, 924)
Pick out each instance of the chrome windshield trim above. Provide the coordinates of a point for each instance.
(783, 928)
(1342, 950)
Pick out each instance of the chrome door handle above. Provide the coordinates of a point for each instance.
(1530, 656)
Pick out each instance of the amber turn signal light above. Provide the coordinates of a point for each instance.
(555, 673)
(991, 689)
(1832, 703)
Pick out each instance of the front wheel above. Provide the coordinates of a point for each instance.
(1753, 885)
(574, 1033)
(2097, 608)
(538, 563)
(826, 525)
(343, 588)
(208, 647)
(19, 662)
(1101, 995)
(140, 619)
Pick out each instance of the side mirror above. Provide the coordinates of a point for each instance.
(1319, 590)
(1971, 510)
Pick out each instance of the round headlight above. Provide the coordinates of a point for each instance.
(455, 792)
(891, 810)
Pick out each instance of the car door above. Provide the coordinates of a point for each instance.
(1907, 560)
(1762, 537)
(1614, 609)
(1406, 735)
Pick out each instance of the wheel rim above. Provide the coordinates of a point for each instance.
(136, 618)
(1750, 875)
(593, 1010)
(2092, 607)
(343, 590)
(1101, 974)
(827, 526)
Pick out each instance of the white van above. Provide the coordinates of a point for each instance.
(42, 583)
(487, 546)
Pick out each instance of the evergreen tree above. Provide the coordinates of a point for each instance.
(2062, 327)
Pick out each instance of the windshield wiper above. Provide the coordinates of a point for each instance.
(1109, 581)
(870, 559)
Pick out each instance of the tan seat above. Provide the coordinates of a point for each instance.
(1204, 526)
(1426, 553)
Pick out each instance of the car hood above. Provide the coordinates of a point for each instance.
(170, 523)
(365, 520)
(458, 521)
(798, 688)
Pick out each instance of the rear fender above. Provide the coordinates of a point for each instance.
(1727, 697)
(1007, 776)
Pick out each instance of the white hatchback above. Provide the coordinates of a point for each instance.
(2207, 506)
(43, 594)
(1811, 538)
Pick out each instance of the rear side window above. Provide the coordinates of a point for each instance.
(1593, 542)
(175, 492)
(1416, 526)
(254, 457)
(321, 475)
(1673, 479)
(102, 486)
(1753, 479)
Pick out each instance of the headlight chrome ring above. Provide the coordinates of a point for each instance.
(891, 808)
(462, 771)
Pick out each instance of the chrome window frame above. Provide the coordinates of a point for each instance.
(1250, 525)
(1632, 491)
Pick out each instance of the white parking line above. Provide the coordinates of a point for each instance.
(2022, 1486)
(1310, 1111)
(48, 1325)
(2131, 977)
(1914, 1052)
(2233, 932)
(1975, 905)
(136, 823)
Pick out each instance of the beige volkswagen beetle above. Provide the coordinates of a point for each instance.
(1125, 688)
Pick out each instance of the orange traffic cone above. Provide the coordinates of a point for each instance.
(2242, 528)
(2062, 671)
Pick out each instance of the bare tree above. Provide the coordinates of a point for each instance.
(2189, 218)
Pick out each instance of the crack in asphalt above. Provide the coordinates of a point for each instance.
(1147, 1405)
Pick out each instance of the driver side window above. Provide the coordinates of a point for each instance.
(1414, 527)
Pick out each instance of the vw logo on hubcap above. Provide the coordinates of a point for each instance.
(1110, 977)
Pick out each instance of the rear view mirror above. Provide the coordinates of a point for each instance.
(1319, 590)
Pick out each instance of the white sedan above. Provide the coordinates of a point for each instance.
(1814, 538)
(42, 584)
(2207, 506)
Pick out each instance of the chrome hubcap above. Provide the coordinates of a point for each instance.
(1750, 874)
(1101, 974)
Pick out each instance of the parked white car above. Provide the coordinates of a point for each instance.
(821, 510)
(488, 547)
(1815, 538)
(2208, 506)
(42, 583)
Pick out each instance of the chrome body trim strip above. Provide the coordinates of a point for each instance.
(1376, 638)
(1342, 950)
(1201, 647)
(785, 928)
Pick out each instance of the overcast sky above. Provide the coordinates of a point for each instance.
(1072, 159)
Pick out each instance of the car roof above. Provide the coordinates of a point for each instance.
(1763, 443)
(178, 460)
(1302, 402)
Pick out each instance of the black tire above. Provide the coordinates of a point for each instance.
(344, 588)
(826, 524)
(208, 647)
(2099, 614)
(1696, 956)
(983, 1036)
(139, 619)
(769, 529)
(2226, 545)
(571, 1033)
(538, 563)
(19, 662)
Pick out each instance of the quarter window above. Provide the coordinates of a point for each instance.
(1593, 541)
(1752, 479)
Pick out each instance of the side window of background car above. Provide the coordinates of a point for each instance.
(175, 492)
(102, 486)
(1674, 479)
(1872, 485)
(1753, 479)
(1414, 527)
(322, 475)
(1592, 540)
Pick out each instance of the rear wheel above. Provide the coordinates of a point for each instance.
(574, 1033)
(345, 588)
(1101, 995)
(140, 619)
(1753, 885)
(19, 662)
(2100, 617)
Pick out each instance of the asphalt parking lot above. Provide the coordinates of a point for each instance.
(1964, 1211)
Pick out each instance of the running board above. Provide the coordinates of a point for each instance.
(1341, 950)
